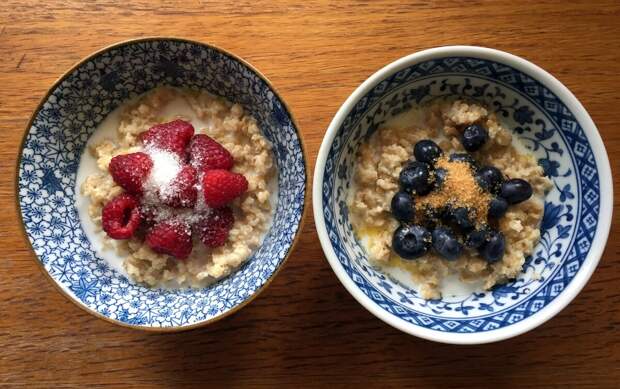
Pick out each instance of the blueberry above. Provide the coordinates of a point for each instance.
(497, 207)
(474, 137)
(415, 176)
(426, 151)
(476, 238)
(440, 177)
(411, 242)
(446, 244)
(490, 178)
(462, 157)
(493, 249)
(457, 217)
(460, 217)
(402, 207)
(516, 190)
(445, 213)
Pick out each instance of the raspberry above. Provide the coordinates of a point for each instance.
(173, 136)
(220, 187)
(130, 171)
(171, 238)
(206, 154)
(121, 217)
(182, 190)
(213, 231)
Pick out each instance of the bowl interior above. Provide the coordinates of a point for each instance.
(547, 128)
(51, 154)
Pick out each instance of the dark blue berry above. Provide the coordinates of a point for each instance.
(457, 217)
(516, 190)
(426, 151)
(445, 213)
(497, 207)
(440, 177)
(494, 247)
(416, 177)
(490, 178)
(411, 241)
(462, 157)
(476, 238)
(460, 217)
(446, 244)
(402, 207)
(474, 137)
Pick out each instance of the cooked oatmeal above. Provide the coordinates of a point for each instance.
(381, 158)
(233, 128)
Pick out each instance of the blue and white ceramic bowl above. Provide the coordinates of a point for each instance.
(55, 140)
(550, 122)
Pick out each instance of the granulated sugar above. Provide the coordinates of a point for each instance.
(161, 184)
(166, 166)
(158, 212)
(201, 205)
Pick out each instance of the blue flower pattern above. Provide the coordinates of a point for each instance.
(546, 127)
(53, 147)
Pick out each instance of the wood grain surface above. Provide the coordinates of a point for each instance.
(305, 330)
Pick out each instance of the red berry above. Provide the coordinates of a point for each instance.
(220, 187)
(121, 217)
(130, 171)
(182, 191)
(213, 230)
(206, 154)
(170, 238)
(173, 136)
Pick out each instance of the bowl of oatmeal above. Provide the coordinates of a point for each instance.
(462, 195)
(162, 183)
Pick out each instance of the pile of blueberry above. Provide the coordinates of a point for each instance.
(449, 229)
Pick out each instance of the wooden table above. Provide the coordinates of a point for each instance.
(305, 330)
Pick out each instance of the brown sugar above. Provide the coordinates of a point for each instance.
(459, 189)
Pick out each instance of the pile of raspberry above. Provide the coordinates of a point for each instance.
(179, 187)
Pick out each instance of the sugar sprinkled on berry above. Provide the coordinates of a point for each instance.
(459, 189)
(166, 166)
(173, 200)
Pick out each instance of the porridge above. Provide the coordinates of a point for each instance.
(445, 189)
(181, 204)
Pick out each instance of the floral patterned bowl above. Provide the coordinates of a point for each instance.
(55, 140)
(551, 123)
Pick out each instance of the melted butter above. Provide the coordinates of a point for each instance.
(369, 231)
(398, 262)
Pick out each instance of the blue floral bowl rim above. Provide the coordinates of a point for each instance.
(62, 78)
(602, 162)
